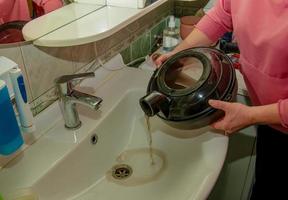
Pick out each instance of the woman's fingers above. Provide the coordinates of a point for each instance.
(218, 104)
(160, 60)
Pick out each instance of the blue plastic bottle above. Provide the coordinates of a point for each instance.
(10, 134)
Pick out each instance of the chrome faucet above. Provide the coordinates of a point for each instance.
(69, 97)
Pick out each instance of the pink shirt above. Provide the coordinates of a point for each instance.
(261, 31)
(49, 5)
(14, 10)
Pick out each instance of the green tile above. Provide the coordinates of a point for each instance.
(136, 62)
(126, 55)
(158, 28)
(141, 47)
(177, 22)
(156, 32)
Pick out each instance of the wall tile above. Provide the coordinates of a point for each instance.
(141, 47)
(43, 101)
(157, 14)
(14, 53)
(82, 55)
(134, 29)
(50, 96)
(126, 55)
(90, 67)
(157, 30)
(184, 8)
(127, 33)
(157, 34)
(44, 64)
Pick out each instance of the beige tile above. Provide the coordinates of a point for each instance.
(90, 67)
(50, 96)
(106, 44)
(43, 101)
(44, 64)
(14, 54)
(184, 8)
(156, 14)
(152, 18)
(83, 55)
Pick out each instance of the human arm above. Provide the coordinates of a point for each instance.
(238, 116)
(210, 28)
(195, 38)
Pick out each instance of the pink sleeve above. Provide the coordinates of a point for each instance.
(49, 5)
(217, 21)
(14, 11)
(283, 111)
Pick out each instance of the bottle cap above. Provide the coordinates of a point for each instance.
(171, 23)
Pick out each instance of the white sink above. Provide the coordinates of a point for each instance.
(184, 161)
(187, 163)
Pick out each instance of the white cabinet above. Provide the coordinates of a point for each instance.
(236, 178)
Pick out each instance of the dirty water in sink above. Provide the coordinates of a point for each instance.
(121, 171)
(140, 165)
(139, 161)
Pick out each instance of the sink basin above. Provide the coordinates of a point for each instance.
(109, 156)
(186, 163)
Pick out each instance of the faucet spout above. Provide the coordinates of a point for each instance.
(86, 99)
(70, 97)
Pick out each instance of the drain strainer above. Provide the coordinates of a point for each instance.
(121, 172)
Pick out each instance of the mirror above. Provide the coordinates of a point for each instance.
(15, 14)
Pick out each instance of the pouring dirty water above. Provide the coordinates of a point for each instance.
(138, 166)
(134, 167)
(150, 139)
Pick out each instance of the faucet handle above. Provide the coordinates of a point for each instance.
(71, 77)
(65, 82)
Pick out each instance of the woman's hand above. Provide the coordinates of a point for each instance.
(237, 116)
(160, 59)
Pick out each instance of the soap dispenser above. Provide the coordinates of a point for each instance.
(10, 134)
(170, 35)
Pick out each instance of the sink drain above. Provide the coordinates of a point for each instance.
(121, 172)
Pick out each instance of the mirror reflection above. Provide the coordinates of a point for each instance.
(14, 14)
(28, 20)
